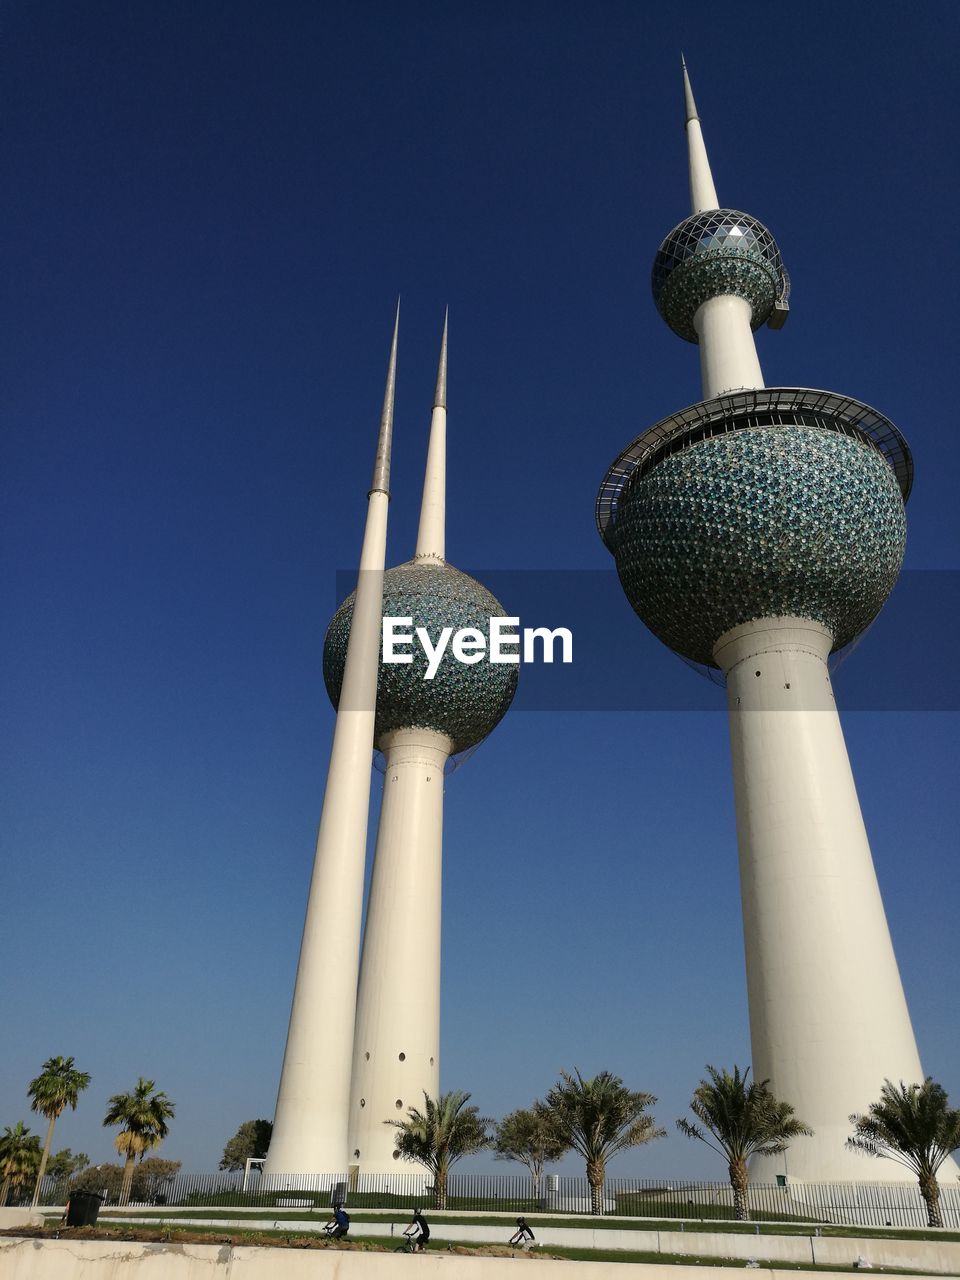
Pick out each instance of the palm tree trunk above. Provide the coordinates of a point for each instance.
(930, 1190)
(127, 1179)
(595, 1172)
(739, 1180)
(440, 1187)
(43, 1160)
(4, 1190)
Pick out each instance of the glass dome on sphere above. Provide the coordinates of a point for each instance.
(463, 701)
(721, 251)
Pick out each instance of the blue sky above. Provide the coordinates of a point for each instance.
(210, 211)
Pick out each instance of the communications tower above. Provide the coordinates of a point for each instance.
(757, 532)
(420, 724)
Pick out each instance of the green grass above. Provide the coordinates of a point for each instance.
(583, 1222)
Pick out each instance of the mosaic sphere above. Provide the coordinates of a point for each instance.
(709, 254)
(759, 522)
(463, 701)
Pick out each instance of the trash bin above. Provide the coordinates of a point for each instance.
(338, 1195)
(82, 1209)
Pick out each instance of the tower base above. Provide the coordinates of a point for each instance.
(828, 1017)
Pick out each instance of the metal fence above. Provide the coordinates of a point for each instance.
(847, 1204)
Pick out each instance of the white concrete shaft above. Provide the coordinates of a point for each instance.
(828, 1018)
(430, 535)
(310, 1126)
(397, 1047)
(703, 194)
(728, 353)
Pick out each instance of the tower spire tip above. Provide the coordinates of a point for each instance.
(689, 105)
(440, 395)
(381, 467)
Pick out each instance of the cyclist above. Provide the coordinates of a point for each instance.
(523, 1237)
(339, 1224)
(418, 1233)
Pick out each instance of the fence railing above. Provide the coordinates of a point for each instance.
(846, 1204)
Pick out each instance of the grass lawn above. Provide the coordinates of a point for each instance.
(583, 1222)
(183, 1233)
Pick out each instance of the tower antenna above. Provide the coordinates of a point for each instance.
(430, 535)
(703, 194)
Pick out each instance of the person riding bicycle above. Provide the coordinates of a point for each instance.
(418, 1233)
(339, 1224)
(523, 1237)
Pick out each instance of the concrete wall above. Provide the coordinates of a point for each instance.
(926, 1255)
(19, 1218)
(22, 1259)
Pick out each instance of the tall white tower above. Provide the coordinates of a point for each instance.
(420, 723)
(310, 1124)
(756, 532)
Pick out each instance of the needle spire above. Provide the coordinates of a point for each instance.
(703, 194)
(381, 467)
(430, 535)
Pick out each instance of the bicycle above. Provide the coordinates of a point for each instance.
(411, 1244)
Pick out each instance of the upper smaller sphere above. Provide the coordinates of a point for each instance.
(710, 254)
(463, 701)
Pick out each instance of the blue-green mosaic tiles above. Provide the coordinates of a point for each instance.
(464, 702)
(756, 523)
(722, 251)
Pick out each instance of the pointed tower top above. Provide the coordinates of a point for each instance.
(440, 395)
(430, 534)
(381, 467)
(689, 104)
(703, 194)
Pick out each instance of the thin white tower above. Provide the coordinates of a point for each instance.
(421, 722)
(311, 1121)
(757, 532)
(396, 1057)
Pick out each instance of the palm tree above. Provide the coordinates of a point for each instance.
(914, 1125)
(743, 1120)
(57, 1087)
(529, 1138)
(598, 1118)
(19, 1158)
(143, 1116)
(440, 1135)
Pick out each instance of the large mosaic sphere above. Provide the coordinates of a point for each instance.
(463, 701)
(709, 254)
(759, 522)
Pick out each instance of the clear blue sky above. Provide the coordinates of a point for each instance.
(209, 212)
